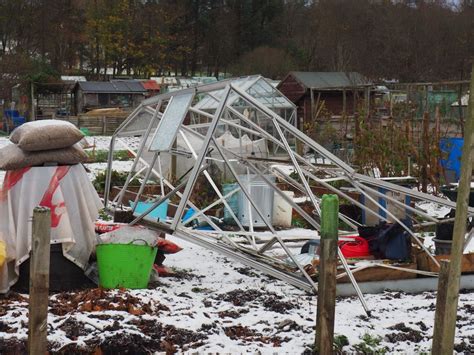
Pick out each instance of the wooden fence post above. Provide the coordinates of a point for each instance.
(326, 306)
(39, 281)
(448, 322)
(440, 312)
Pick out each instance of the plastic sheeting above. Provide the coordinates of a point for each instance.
(242, 146)
(74, 205)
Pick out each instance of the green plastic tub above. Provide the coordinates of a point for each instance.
(125, 265)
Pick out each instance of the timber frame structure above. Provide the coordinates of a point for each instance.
(251, 106)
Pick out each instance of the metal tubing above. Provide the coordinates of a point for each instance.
(168, 184)
(300, 135)
(420, 243)
(211, 182)
(353, 281)
(161, 200)
(342, 194)
(139, 153)
(297, 167)
(108, 175)
(246, 260)
(302, 212)
(145, 181)
(262, 216)
(130, 117)
(200, 159)
(114, 201)
(396, 188)
(273, 139)
(400, 205)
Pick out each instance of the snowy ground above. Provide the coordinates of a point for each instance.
(218, 305)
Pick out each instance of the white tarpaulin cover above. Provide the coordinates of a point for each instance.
(74, 205)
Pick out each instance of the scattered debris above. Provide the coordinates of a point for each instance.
(270, 300)
(405, 334)
(96, 300)
(247, 334)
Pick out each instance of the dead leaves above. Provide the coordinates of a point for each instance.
(98, 300)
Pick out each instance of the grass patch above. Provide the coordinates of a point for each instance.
(100, 156)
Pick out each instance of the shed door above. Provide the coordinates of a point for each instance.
(103, 99)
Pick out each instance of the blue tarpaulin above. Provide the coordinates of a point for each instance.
(451, 151)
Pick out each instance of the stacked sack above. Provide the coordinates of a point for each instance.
(45, 142)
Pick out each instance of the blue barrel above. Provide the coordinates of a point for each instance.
(451, 151)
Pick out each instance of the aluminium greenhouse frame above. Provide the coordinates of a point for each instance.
(222, 104)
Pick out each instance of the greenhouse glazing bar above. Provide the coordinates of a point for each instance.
(248, 106)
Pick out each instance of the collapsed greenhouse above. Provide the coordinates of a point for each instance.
(236, 143)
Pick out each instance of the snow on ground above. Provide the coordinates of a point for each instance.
(96, 168)
(103, 142)
(232, 309)
(433, 209)
(218, 305)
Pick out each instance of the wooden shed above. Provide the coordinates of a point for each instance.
(337, 92)
(91, 95)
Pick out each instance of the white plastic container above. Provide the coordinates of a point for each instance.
(282, 210)
(262, 195)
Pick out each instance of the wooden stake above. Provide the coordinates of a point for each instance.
(448, 322)
(326, 306)
(440, 312)
(39, 281)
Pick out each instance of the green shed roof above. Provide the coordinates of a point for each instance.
(328, 80)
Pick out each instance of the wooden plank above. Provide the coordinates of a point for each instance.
(39, 281)
(425, 263)
(379, 273)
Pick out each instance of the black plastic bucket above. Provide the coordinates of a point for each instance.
(64, 275)
(442, 247)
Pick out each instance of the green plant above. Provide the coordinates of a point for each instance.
(370, 345)
(299, 222)
(295, 176)
(104, 216)
(340, 341)
(101, 156)
(117, 179)
(203, 194)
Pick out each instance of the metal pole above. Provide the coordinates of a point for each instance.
(145, 181)
(168, 184)
(262, 216)
(200, 159)
(211, 182)
(110, 156)
(139, 153)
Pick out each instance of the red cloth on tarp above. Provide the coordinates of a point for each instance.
(74, 205)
